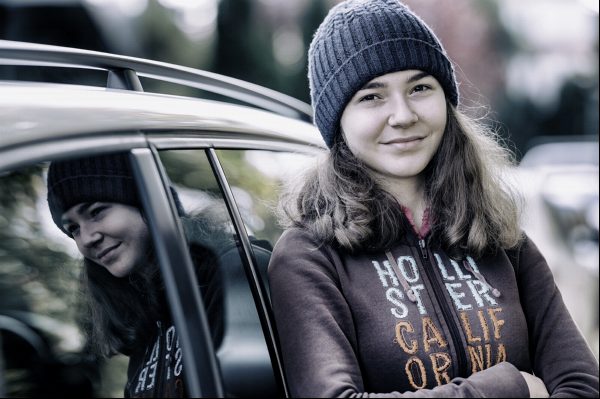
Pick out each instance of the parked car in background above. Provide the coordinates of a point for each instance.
(220, 156)
(559, 182)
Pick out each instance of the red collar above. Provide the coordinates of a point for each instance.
(425, 226)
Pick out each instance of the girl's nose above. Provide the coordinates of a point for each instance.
(401, 114)
(89, 236)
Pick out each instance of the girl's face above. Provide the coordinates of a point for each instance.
(113, 235)
(395, 123)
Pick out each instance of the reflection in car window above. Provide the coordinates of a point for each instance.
(239, 342)
(44, 347)
(84, 308)
(94, 201)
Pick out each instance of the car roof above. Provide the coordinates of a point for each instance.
(39, 111)
(40, 118)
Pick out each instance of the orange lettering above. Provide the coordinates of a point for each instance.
(431, 335)
(422, 374)
(476, 354)
(467, 326)
(501, 354)
(484, 326)
(495, 321)
(405, 325)
(439, 369)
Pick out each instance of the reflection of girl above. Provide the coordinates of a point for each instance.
(94, 201)
(403, 271)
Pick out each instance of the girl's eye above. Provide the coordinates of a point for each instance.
(421, 88)
(72, 229)
(368, 97)
(95, 211)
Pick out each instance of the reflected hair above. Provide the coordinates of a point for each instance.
(472, 208)
(119, 313)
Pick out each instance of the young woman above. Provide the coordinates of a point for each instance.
(94, 201)
(403, 271)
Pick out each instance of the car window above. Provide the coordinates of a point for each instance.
(256, 178)
(238, 339)
(42, 307)
(84, 308)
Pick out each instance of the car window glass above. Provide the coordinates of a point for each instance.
(42, 308)
(236, 330)
(256, 178)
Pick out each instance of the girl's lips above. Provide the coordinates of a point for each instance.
(404, 143)
(107, 251)
(403, 140)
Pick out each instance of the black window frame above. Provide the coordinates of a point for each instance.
(202, 376)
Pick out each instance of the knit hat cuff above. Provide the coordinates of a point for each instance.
(73, 190)
(378, 59)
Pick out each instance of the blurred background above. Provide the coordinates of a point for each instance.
(529, 67)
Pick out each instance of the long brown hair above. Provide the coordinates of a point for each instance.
(472, 208)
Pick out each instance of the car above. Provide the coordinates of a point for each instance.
(225, 146)
(558, 178)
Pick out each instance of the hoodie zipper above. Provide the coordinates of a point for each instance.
(446, 311)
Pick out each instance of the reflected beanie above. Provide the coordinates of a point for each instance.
(104, 178)
(360, 40)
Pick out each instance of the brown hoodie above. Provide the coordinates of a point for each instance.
(347, 326)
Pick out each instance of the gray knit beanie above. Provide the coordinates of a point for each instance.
(102, 178)
(360, 40)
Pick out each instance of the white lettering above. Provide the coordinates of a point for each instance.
(154, 355)
(416, 289)
(409, 261)
(152, 376)
(459, 272)
(386, 273)
(141, 379)
(481, 293)
(457, 295)
(178, 363)
(442, 268)
(170, 334)
(394, 295)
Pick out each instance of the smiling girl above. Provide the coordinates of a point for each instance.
(403, 271)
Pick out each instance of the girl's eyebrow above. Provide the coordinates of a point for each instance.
(80, 209)
(378, 85)
(417, 76)
(373, 85)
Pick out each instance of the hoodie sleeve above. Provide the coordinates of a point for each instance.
(317, 338)
(559, 353)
